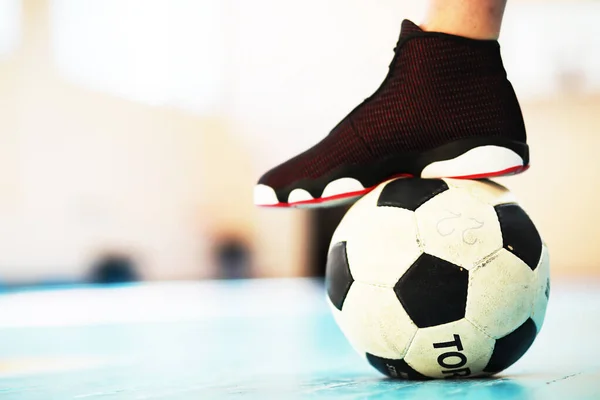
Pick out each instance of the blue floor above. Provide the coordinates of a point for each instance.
(255, 339)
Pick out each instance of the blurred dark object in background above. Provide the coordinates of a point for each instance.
(114, 269)
(323, 224)
(233, 258)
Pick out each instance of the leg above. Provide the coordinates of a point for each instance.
(475, 19)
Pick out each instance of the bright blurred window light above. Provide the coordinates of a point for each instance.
(156, 52)
(550, 47)
(10, 26)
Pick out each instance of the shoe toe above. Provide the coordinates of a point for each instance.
(265, 195)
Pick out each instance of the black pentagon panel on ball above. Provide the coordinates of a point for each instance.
(338, 277)
(519, 234)
(433, 291)
(410, 193)
(509, 349)
(397, 369)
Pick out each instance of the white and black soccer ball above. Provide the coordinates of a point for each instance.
(438, 278)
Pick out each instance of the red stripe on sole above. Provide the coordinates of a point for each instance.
(320, 200)
(509, 171)
(342, 196)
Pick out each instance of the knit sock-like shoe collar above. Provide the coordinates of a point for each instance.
(409, 28)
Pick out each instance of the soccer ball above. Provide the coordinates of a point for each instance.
(438, 278)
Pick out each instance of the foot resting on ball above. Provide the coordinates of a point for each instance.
(445, 110)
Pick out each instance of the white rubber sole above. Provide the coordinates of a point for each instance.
(339, 192)
(484, 160)
(480, 162)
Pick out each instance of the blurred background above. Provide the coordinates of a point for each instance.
(132, 131)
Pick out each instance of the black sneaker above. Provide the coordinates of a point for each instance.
(445, 110)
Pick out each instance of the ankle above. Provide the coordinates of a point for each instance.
(473, 31)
